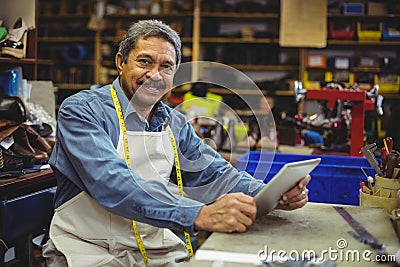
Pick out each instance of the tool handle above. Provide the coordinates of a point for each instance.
(384, 157)
(391, 164)
(389, 143)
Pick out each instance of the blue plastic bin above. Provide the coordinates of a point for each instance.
(9, 82)
(391, 32)
(335, 180)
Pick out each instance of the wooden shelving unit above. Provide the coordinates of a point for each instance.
(194, 36)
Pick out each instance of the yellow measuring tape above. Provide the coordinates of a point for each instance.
(180, 185)
(139, 241)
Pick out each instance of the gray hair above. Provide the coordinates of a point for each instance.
(149, 28)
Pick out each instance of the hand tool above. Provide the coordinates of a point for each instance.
(368, 153)
(363, 235)
(391, 164)
(365, 189)
(384, 157)
(16, 173)
(388, 142)
(370, 180)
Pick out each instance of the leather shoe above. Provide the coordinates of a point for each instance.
(10, 161)
(37, 141)
(22, 147)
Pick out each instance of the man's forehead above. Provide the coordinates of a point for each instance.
(155, 44)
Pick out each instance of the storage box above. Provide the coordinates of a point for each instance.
(365, 80)
(353, 9)
(9, 82)
(391, 32)
(341, 30)
(369, 31)
(312, 79)
(368, 62)
(342, 76)
(343, 63)
(316, 61)
(26, 215)
(389, 83)
(375, 8)
(335, 180)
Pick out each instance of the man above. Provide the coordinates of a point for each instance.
(118, 147)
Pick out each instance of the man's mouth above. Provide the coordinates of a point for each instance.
(152, 87)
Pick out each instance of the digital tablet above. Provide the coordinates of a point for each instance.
(287, 177)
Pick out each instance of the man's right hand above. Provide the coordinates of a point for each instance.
(232, 212)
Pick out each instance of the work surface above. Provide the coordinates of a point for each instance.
(315, 227)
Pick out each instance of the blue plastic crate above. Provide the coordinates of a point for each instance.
(345, 190)
(319, 187)
(335, 180)
(391, 31)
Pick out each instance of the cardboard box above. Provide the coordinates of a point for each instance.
(375, 8)
(300, 19)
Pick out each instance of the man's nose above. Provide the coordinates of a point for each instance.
(154, 73)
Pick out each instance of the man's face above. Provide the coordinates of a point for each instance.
(149, 71)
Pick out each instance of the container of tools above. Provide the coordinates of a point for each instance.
(382, 194)
(383, 191)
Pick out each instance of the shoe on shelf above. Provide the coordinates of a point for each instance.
(3, 31)
(14, 44)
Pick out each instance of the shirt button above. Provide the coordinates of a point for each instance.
(183, 219)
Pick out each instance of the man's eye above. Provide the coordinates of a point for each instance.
(144, 61)
(168, 68)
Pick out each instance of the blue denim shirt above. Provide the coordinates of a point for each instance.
(85, 158)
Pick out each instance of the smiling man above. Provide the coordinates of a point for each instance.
(129, 168)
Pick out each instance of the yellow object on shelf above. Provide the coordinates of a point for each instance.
(369, 31)
(240, 131)
(389, 84)
(208, 105)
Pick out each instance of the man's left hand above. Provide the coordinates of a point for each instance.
(296, 197)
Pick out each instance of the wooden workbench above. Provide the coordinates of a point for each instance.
(314, 227)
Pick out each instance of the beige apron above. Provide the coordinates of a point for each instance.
(100, 238)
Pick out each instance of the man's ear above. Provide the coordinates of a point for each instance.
(119, 62)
